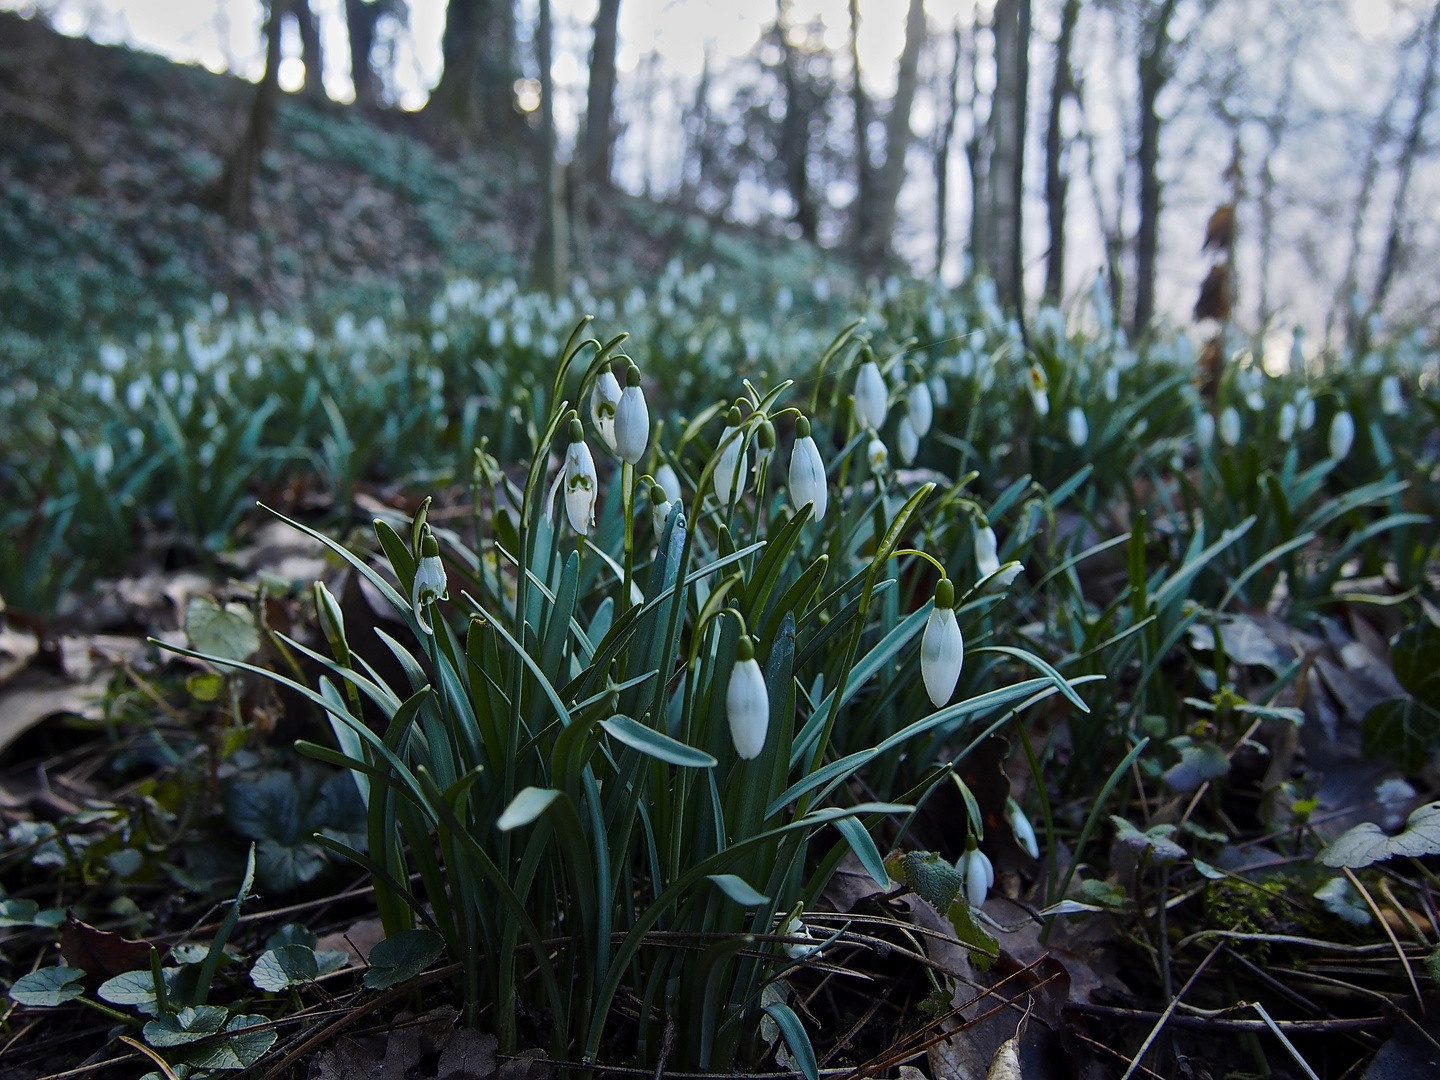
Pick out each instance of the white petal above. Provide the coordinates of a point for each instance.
(909, 440)
(871, 396)
(922, 409)
(666, 478)
(942, 654)
(807, 477)
(603, 400)
(581, 487)
(986, 560)
(730, 473)
(747, 705)
(1077, 427)
(1342, 435)
(632, 425)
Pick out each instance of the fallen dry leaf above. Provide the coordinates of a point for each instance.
(17, 648)
(22, 707)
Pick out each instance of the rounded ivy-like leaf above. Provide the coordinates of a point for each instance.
(133, 989)
(225, 633)
(48, 987)
(402, 957)
(238, 1051)
(186, 1026)
(283, 967)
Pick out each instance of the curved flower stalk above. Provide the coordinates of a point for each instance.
(871, 396)
(909, 441)
(429, 583)
(577, 476)
(734, 461)
(632, 419)
(807, 472)
(942, 649)
(979, 873)
(666, 477)
(604, 400)
(920, 408)
(747, 703)
(1342, 435)
(987, 561)
(1230, 425)
(1020, 825)
(1077, 427)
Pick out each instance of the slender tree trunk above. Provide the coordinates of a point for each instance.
(1007, 164)
(795, 140)
(1409, 150)
(312, 52)
(875, 251)
(474, 95)
(235, 190)
(1057, 180)
(1155, 72)
(600, 109)
(551, 251)
(1274, 132)
(942, 156)
(360, 19)
(860, 223)
(978, 158)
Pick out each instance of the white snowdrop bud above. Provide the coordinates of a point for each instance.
(665, 476)
(1111, 384)
(747, 704)
(730, 473)
(632, 419)
(909, 441)
(604, 400)
(878, 456)
(939, 391)
(1391, 401)
(1024, 831)
(1342, 435)
(807, 472)
(1077, 427)
(1255, 401)
(921, 409)
(942, 650)
(429, 583)
(986, 559)
(978, 872)
(659, 510)
(1039, 390)
(1288, 416)
(1307, 414)
(1204, 431)
(577, 477)
(871, 396)
(1229, 425)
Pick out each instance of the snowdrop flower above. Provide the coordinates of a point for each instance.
(942, 650)
(1024, 831)
(632, 419)
(1391, 402)
(1307, 414)
(730, 473)
(1255, 400)
(909, 441)
(1039, 390)
(1230, 425)
(1342, 435)
(878, 456)
(939, 391)
(795, 928)
(429, 580)
(1112, 384)
(871, 396)
(921, 409)
(104, 459)
(577, 476)
(1077, 427)
(659, 510)
(604, 399)
(1288, 418)
(747, 703)
(666, 478)
(1001, 579)
(986, 560)
(1204, 431)
(764, 446)
(807, 472)
(979, 874)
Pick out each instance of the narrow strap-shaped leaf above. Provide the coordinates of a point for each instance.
(793, 1032)
(863, 844)
(1040, 665)
(738, 889)
(656, 744)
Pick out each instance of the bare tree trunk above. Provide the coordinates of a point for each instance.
(312, 52)
(1007, 164)
(978, 158)
(860, 223)
(600, 110)
(1274, 132)
(1409, 150)
(360, 19)
(875, 250)
(234, 192)
(475, 92)
(1155, 72)
(1057, 180)
(942, 156)
(795, 140)
(552, 248)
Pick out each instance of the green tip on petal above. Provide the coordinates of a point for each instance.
(802, 428)
(745, 650)
(577, 430)
(944, 593)
(657, 494)
(766, 438)
(733, 416)
(632, 376)
(429, 546)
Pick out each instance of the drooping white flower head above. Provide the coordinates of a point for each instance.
(1077, 427)
(764, 446)
(1024, 831)
(1307, 413)
(1002, 578)
(794, 927)
(979, 874)
(659, 510)
(987, 561)
(1204, 431)
(665, 476)
(1039, 390)
(878, 455)
(1288, 417)
(807, 472)
(429, 584)
(1112, 384)
(632, 419)
(747, 703)
(909, 441)
(942, 650)
(939, 391)
(1229, 425)
(871, 397)
(1392, 402)
(1342, 435)
(604, 400)
(921, 409)
(1255, 401)
(578, 478)
(734, 462)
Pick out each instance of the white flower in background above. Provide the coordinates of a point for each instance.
(747, 703)
(1342, 435)
(1255, 401)
(942, 650)
(112, 357)
(632, 419)
(1204, 431)
(1024, 831)
(1112, 384)
(1077, 427)
(1230, 425)
(577, 476)
(1392, 403)
(979, 875)
(878, 456)
(921, 409)
(666, 478)
(604, 399)
(871, 397)
(939, 391)
(1039, 390)
(807, 472)
(1289, 415)
(1002, 578)
(909, 441)
(730, 473)
(659, 510)
(1100, 302)
(795, 928)
(986, 559)
(429, 583)
(104, 459)
(1307, 413)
